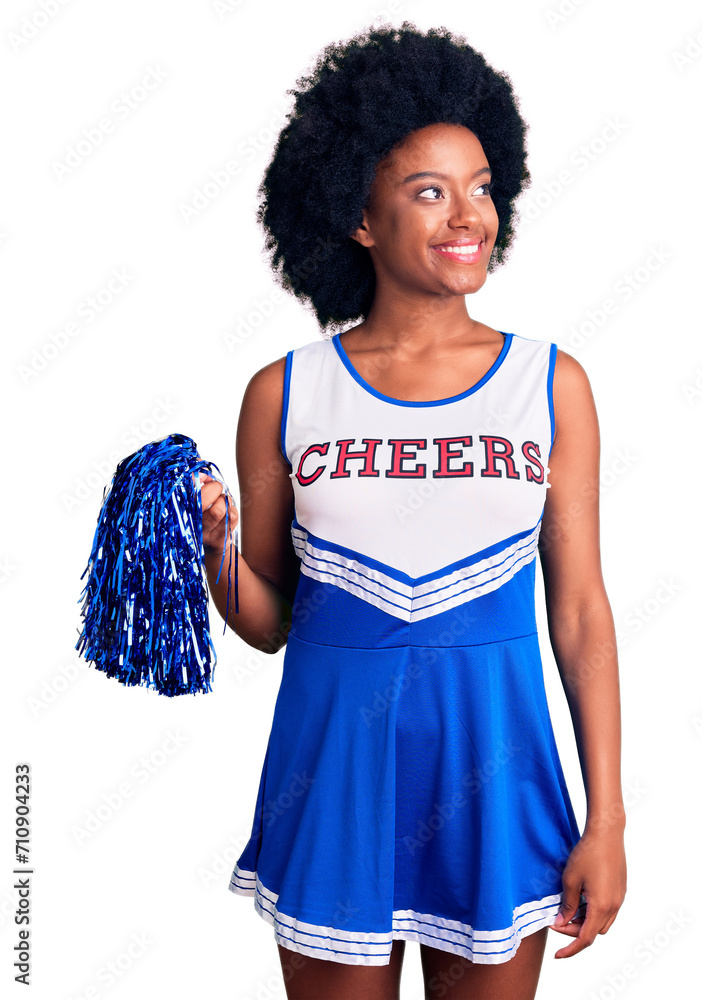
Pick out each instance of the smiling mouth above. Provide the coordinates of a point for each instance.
(467, 253)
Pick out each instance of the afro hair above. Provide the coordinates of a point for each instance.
(360, 101)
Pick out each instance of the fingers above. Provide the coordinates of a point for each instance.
(566, 922)
(584, 930)
(204, 480)
(220, 516)
(608, 924)
(572, 929)
(216, 496)
(570, 902)
(583, 934)
(209, 495)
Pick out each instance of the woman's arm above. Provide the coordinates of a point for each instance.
(582, 633)
(268, 568)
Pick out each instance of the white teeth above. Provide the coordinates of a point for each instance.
(466, 250)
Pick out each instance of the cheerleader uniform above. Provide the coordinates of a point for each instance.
(411, 787)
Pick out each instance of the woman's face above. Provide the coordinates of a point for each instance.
(414, 226)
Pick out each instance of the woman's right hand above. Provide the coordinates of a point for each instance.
(214, 514)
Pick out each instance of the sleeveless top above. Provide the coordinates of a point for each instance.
(418, 507)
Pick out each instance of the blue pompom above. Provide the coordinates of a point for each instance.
(145, 604)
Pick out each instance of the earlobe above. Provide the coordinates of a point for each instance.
(362, 236)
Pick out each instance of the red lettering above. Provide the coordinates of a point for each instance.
(491, 456)
(367, 454)
(530, 477)
(449, 449)
(399, 455)
(446, 453)
(321, 449)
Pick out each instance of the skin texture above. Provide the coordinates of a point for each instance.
(418, 342)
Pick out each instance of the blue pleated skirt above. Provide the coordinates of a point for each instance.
(409, 792)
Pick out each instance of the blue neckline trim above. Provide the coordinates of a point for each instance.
(421, 402)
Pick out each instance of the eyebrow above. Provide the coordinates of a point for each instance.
(433, 173)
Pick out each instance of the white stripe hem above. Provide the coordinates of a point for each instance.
(370, 948)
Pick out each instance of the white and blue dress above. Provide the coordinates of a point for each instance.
(411, 787)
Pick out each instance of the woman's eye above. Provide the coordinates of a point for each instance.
(485, 188)
(431, 189)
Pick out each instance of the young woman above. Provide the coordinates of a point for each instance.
(397, 481)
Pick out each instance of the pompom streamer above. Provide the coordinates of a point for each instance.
(145, 603)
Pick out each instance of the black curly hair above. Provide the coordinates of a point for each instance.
(361, 100)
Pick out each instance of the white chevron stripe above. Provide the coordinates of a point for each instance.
(370, 575)
(425, 600)
(371, 948)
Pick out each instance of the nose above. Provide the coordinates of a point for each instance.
(465, 212)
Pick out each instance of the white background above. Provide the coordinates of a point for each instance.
(173, 351)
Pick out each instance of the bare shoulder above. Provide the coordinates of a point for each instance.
(573, 401)
(262, 403)
(266, 385)
(266, 497)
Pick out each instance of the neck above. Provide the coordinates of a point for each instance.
(417, 320)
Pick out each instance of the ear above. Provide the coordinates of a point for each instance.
(362, 235)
